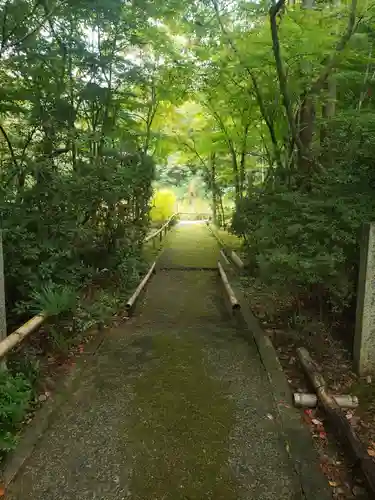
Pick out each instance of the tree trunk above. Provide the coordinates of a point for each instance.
(328, 108)
(213, 187)
(236, 173)
(306, 116)
(242, 170)
(306, 133)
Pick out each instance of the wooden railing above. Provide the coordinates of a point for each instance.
(195, 215)
(161, 231)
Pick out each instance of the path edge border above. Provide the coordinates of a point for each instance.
(297, 438)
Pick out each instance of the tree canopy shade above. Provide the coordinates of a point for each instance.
(272, 102)
(81, 85)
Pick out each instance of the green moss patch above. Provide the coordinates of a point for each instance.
(182, 425)
(190, 245)
(230, 240)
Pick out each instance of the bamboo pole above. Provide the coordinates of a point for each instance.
(236, 260)
(130, 303)
(225, 258)
(303, 400)
(23, 331)
(337, 418)
(159, 232)
(232, 298)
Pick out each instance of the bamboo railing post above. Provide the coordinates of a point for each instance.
(231, 295)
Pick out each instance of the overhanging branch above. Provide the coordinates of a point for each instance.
(341, 44)
(283, 85)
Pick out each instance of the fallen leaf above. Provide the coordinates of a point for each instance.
(315, 421)
(2, 491)
(333, 483)
(371, 452)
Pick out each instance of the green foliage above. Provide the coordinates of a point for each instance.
(61, 340)
(308, 241)
(288, 134)
(54, 299)
(163, 205)
(15, 399)
(78, 119)
(26, 363)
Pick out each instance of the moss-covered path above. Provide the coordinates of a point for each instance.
(174, 406)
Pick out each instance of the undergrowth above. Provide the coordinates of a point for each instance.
(71, 313)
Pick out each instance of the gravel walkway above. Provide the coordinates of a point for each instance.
(174, 406)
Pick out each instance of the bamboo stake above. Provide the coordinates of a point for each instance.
(232, 298)
(130, 303)
(303, 400)
(224, 257)
(236, 260)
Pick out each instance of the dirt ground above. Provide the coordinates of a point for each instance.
(276, 313)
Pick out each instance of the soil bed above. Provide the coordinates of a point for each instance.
(287, 331)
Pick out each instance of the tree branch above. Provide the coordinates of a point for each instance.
(283, 85)
(10, 147)
(257, 91)
(34, 30)
(341, 44)
(194, 150)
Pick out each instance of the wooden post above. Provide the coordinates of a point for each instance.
(364, 339)
(231, 295)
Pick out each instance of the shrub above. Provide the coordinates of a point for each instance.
(15, 399)
(308, 241)
(163, 205)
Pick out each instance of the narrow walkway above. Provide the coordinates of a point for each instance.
(174, 406)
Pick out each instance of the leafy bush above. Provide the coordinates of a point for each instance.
(54, 299)
(15, 399)
(308, 241)
(163, 205)
(65, 232)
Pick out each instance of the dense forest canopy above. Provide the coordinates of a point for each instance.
(271, 103)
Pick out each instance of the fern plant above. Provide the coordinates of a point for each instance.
(54, 299)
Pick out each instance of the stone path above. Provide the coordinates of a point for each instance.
(175, 405)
